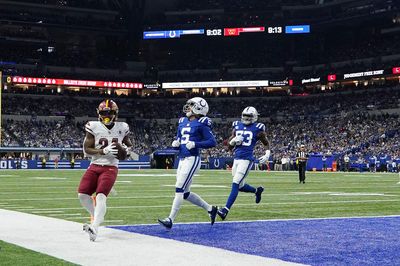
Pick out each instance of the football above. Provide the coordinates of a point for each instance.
(122, 154)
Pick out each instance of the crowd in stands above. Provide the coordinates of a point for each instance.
(39, 134)
(314, 105)
(341, 123)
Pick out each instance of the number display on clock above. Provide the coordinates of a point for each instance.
(275, 30)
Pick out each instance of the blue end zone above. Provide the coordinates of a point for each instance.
(347, 241)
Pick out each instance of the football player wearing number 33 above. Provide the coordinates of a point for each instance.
(245, 134)
(101, 140)
(194, 133)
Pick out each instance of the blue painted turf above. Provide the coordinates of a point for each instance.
(353, 241)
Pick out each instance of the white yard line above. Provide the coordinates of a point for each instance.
(65, 214)
(299, 193)
(47, 178)
(45, 212)
(66, 240)
(237, 204)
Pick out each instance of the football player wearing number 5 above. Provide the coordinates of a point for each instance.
(100, 144)
(194, 133)
(245, 134)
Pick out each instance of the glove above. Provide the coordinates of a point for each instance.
(176, 143)
(236, 141)
(265, 157)
(190, 145)
(111, 149)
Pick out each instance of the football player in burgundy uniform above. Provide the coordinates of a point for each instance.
(99, 178)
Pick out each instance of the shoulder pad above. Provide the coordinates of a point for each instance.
(90, 127)
(235, 123)
(125, 126)
(260, 126)
(206, 121)
(181, 120)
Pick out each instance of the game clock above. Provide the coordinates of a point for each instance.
(214, 32)
(274, 30)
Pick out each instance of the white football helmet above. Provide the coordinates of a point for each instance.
(196, 106)
(249, 115)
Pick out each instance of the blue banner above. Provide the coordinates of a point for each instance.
(170, 34)
(297, 29)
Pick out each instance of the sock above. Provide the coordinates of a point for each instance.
(99, 210)
(232, 197)
(197, 200)
(247, 188)
(176, 205)
(87, 203)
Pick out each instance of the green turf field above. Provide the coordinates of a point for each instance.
(13, 255)
(145, 195)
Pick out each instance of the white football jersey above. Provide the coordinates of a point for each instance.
(103, 137)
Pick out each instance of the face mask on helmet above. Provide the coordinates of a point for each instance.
(107, 117)
(107, 111)
(249, 115)
(196, 106)
(187, 108)
(247, 119)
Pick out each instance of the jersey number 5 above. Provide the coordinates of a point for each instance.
(247, 136)
(185, 135)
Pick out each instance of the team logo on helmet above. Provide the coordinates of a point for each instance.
(108, 112)
(196, 106)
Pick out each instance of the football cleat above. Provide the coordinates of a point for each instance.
(85, 227)
(222, 213)
(88, 228)
(213, 214)
(259, 191)
(167, 222)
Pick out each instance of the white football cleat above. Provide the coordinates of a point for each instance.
(88, 228)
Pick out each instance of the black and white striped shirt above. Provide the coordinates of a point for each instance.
(302, 156)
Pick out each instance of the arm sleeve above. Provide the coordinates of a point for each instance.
(208, 139)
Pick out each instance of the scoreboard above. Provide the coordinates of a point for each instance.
(227, 32)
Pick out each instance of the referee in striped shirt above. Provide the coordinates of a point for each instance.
(301, 163)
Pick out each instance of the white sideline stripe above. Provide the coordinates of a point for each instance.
(123, 181)
(38, 233)
(238, 204)
(8, 175)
